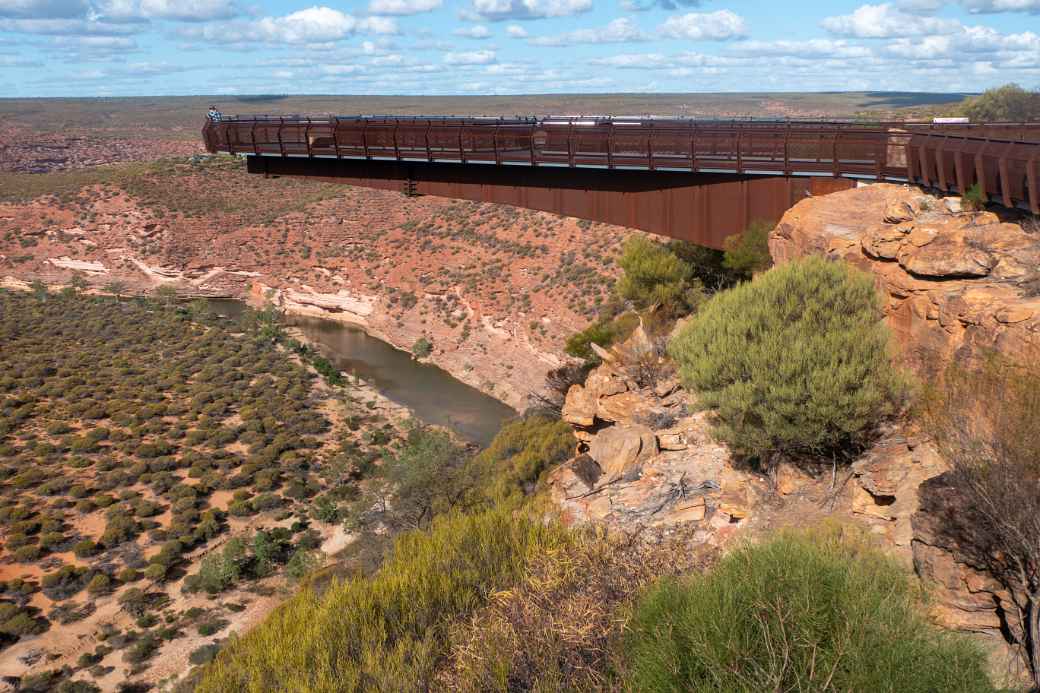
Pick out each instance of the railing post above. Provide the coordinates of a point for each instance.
(570, 143)
(835, 166)
(740, 159)
(364, 137)
(787, 149)
(650, 146)
(980, 170)
(307, 138)
(1033, 185)
(426, 140)
(1005, 177)
(534, 161)
(693, 146)
(940, 163)
(462, 154)
(397, 150)
(879, 174)
(281, 144)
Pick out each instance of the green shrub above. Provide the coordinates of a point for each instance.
(801, 612)
(424, 476)
(521, 452)
(422, 348)
(1008, 103)
(602, 333)
(384, 632)
(747, 253)
(795, 361)
(973, 199)
(654, 275)
(220, 570)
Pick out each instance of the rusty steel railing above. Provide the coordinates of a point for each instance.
(1001, 158)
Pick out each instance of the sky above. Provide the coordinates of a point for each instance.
(414, 47)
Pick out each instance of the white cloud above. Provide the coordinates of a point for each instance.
(976, 43)
(816, 48)
(67, 27)
(706, 26)
(340, 70)
(96, 43)
(470, 58)
(44, 9)
(498, 10)
(643, 5)
(477, 31)
(402, 7)
(886, 21)
(189, 10)
(377, 25)
(633, 60)
(313, 26)
(993, 6)
(920, 5)
(620, 30)
(516, 31)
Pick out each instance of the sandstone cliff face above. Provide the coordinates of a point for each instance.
(955, 283)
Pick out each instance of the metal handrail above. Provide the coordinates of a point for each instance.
(919, 152)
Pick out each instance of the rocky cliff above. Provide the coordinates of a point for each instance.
(955, 283)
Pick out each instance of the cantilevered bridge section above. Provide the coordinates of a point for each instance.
(695, 180)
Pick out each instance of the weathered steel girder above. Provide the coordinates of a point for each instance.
(702, 208)
(697, 180)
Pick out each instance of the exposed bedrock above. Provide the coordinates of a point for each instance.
(954, 284)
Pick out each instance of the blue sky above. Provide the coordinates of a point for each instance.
(157, 47)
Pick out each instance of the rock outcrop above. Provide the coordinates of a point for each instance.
(956, 283)
(644, 460)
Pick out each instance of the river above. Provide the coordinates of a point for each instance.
(430, 392)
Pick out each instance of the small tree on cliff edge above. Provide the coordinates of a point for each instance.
(987, 424)
(795, 361)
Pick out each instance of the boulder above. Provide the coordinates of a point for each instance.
(579, 407)
(626, 406)
(618, 449)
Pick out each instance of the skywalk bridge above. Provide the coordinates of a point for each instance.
(691, 179)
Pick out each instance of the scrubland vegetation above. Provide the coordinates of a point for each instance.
(485, 591)
(149, 451)
(460, 576)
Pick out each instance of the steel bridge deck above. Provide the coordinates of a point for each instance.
(515, 160)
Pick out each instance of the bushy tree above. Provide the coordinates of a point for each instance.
(801, 612)
(1009, 102)
(424, 476)
(747, 253)
(796, 360)
(654, 275)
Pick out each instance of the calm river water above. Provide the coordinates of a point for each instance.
(434, 395)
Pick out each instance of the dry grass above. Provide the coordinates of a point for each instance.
(559, 628)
